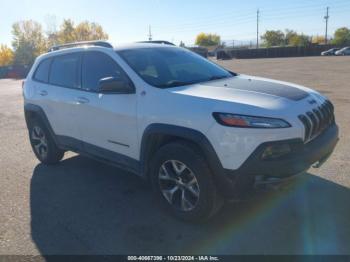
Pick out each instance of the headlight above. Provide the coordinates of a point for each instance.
(244, 121)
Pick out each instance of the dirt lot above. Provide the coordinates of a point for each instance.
(84, 207)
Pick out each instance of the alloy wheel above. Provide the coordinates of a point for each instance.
(179, 185)
(39, 141)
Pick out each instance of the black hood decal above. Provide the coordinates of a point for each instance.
(264, 87)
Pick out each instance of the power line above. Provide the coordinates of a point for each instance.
(268, 12)
(300, 15)
(305, 13)
(313, 8)
(249, 19)
(211, 26)
(218, 22)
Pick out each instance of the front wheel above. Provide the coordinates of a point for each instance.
(183, 182)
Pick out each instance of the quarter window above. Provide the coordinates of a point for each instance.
(42, 72)
(64, 71)
(96, 66)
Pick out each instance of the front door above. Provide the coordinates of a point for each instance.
(107, 121)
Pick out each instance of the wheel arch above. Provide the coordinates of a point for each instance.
(35, 112)
(157, 135)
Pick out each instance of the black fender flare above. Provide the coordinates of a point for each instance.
(199, 139)
(31, 110)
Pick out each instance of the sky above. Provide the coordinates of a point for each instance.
(179, 20)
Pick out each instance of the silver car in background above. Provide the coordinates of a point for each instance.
(343, 51)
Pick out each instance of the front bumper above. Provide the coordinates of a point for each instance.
(301, 158)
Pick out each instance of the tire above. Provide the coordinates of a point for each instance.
(179, 171)
(43, 145)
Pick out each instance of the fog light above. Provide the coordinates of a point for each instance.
(275, 151)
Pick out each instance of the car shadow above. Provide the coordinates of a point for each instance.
(84, 207)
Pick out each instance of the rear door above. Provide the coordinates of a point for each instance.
(108, 121)
(43, 93)
(64, 79)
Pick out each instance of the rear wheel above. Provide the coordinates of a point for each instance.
(43, 144)
(183, 182)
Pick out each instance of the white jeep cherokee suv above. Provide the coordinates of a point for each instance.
(198, 132)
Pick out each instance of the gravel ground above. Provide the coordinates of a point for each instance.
(83, 207)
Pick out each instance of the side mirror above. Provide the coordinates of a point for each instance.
(116, 85)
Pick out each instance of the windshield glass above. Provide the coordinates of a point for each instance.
(168, 67)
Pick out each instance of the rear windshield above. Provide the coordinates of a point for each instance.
(168, 67)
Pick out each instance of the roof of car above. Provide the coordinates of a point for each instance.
(117, 48)
(142, 45)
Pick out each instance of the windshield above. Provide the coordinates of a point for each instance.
(169, 67)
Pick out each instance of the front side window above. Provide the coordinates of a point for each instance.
(97, 66)
(64, 71)
(168, 67)
(42, 72)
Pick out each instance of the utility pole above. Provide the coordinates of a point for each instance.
(326, 18)
(257, 28)
(149, 33)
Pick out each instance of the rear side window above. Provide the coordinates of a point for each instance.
(42, 71)
(64, 71)
(97, 65)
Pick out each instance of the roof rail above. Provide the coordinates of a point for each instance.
(76, 44)
(156, 42)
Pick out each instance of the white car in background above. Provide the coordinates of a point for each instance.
(330, 52)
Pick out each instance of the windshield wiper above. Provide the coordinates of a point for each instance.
(217, 77)
(174, 83)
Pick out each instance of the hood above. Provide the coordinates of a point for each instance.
(246, 90)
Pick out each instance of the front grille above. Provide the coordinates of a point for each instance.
(317, 120)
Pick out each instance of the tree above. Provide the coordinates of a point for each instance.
(273, 38)
(86, 31)
(342, 36)
(204, 39)
(299, 40)
(290, 37)
(66, 34)
(28, 41)
(51, 30)
(290, 34)
(6, 55)
(318, 40)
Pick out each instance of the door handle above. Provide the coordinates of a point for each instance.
(43, 93)
(82, 100)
